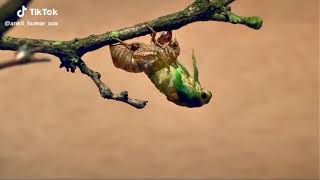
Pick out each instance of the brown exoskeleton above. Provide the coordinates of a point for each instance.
(159, 61)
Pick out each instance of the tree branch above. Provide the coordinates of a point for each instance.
(105, 91)
(14, 62)
(70, 52)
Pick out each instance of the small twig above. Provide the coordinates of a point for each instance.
(14, 62)
(105, 91)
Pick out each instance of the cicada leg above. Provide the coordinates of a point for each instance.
(131, 46)
(153, 36)
(153, 33)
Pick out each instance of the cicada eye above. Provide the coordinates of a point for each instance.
(204, 95)
(174, 44)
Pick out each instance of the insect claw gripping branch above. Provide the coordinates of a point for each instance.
(70, 52)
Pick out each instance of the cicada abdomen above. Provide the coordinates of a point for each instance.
(140, 57)
(122, 57)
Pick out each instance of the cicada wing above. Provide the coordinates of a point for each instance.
(179, 84)
(183, 68)
(195, 68)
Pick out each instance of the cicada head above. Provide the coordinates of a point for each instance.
(165, 37)
(188, 88)
(171, 44)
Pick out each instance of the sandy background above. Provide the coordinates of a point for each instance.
(261, 123)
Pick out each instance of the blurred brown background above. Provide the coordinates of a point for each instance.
(261, 123)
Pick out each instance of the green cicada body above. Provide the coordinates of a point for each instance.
(179, 86)
(159, 61)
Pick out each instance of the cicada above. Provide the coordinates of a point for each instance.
(159, 61)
